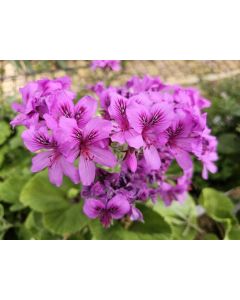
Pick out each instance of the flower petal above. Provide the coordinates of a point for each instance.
(56, 173)
(161, 116)
(50, 121)
(85, 109)
(70, 171)
(118, 137)
(67, 126)
(117, 108)
(183, 159)
(41, 161)
(92, 208)
(97, 129)
(103, 156)
(87, 170)
(35, 140)
(118, 206)
(138, 116)
(133, 139)
(152, 157)
(131, 161)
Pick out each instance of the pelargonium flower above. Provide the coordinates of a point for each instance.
(88, 144)
(145, 123)
(38, 99)
(122, 130)
(179, 140)
(150, 123)
(113, 65)
(82, 112)
(49, 155)
(116, 208)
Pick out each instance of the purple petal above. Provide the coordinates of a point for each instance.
(56, 173)
(70, 171)
(18, 107)
(133, 139)
(41, 161)
(97, 129)
(92, 208)
(118, 137)
(138, 116)
(118, 106)
(183, 159)
(85, 109)
(50, 122)
(118, 206)
(28, 91)
(131, 161)
(103, 156)
(87, 170)
(136, 214)
(161, 116)
(152, 157)
(67, 125)
(35, 140)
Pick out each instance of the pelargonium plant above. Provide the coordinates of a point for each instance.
(119, 144)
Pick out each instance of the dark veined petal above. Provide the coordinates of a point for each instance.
(118, 206)
(93, 208)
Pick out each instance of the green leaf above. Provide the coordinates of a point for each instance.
(210, 236)
(60, 215)
(66, 221)
(34, 229)
(11, 187)
(5, 131)
(229, 143)
(1, 211)
(42, 196)
(182, 217)
(234, 233)
(217, 205)
(4, 225)
(3, 152)
(153, 228)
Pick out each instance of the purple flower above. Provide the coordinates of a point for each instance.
(151, 122)
(122, 131)
(180, 142)
(115, 209)
(82, 112)
(89, 144)
(113, 65)
(209, 153)
(50, 157)
(38, 99)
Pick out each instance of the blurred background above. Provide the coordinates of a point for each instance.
(219, 81)
(14, 74)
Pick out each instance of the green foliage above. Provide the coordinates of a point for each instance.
(182, 218)
(4, 132)
(220, 208)
(60, 215)
(153, 228)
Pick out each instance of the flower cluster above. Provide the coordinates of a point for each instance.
(113, 65)
(122, 152)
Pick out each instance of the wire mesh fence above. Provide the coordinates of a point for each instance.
(15, 74)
